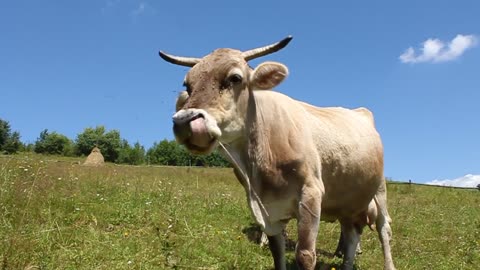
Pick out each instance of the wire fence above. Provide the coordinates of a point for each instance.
(428, 185)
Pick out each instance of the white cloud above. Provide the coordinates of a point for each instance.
(109, 4)
(435, 50)
(139, 10)
(469, 180)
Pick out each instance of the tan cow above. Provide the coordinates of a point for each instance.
(294, 160)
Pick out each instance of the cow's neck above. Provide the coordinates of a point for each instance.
(257, 129)
(269, 140)
(270, 145)
(260, 161)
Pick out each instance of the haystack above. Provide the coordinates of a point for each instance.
(95, 158)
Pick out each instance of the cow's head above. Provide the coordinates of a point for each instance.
(211, 109)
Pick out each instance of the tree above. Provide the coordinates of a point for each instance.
(27, 147)
(216, 160)
(163, 153)
(109, 143)
(131, 155)
(4, 132)
(9, 141)
(53, 143)
(13, 143)
(172, 154)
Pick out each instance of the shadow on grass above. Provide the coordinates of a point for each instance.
(292, 265)
(254, 234)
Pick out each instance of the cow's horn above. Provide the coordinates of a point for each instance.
(179, 60)
(255, 53)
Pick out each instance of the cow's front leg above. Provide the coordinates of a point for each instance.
(276, 244)
(308, 221)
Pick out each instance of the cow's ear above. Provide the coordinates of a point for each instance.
(268, 75)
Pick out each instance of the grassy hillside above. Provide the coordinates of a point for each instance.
(60, 215)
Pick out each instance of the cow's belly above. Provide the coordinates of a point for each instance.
(350, 181)
(346, 198)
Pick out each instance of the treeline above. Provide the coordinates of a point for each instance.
(113, 147)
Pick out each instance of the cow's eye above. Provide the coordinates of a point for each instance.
(188, 89)
(235, 79)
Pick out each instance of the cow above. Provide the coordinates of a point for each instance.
(294, 160)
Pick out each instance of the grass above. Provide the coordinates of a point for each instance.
(56, 214)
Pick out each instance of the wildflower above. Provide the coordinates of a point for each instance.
(129, 262)
(125, 234)
(25, 170)
(59, 178)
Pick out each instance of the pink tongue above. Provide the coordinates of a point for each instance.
(200, 136)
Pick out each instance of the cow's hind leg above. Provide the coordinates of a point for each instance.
(351, 238)
(385, 233)
(341, 247)
(382, 225)
(276, 244)
(308, 221)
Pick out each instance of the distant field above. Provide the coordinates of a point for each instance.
(60, 215)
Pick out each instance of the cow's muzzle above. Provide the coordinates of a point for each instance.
(191, 129)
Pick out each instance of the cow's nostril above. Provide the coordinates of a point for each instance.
(196, 117)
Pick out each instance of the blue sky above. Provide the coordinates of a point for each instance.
(68, 65)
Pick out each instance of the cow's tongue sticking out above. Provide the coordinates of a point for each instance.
(200, 136)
